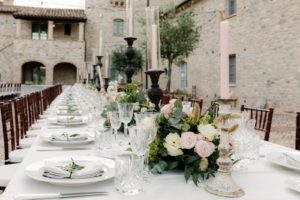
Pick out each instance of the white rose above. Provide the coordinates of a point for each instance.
(208, 131)
(136, 106)
(173, 144)
(143, 110)
(172, 102)
(148, 122)
(151, 105)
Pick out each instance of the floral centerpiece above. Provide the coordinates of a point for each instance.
(131, 94)
(185, 141)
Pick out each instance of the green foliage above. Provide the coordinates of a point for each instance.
(179, 37)
(119, 59)
(189, 162)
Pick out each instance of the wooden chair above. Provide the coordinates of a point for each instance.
(11, 153)
(198, 101)
(263, 119)
(298, 131)
(165, 99)
(21, 125)
(7, 171)
(194, 92)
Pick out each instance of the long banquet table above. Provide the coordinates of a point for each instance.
(261, 180)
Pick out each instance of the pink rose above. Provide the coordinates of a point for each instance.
(204, 148)
(166, 110)
(188, 140)
(200, 137)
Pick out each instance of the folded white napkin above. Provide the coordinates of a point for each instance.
(69, 119)
(68, 112)
(292, 159)
(64, 107)
(69, 136)
(55, 170)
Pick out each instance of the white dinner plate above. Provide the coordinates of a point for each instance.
(35, 171)
(54, 120)
(65, 113)
(280, 158)
(48, 138)
(293, 184)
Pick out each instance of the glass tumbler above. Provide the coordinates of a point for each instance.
(129, 174)
(103, 139)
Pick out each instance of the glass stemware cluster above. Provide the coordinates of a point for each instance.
(246, 140)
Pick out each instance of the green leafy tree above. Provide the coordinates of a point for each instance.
(119, 59)
(179, 37)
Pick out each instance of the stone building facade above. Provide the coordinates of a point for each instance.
(26, 53)
(264, 38)
(264, 42)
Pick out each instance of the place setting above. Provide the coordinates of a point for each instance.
(71, 171)
(68, 120)
(68, 137)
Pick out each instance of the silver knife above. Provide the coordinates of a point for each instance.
(62, 148)
(57, 195)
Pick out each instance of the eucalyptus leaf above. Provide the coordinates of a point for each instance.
(173, 165)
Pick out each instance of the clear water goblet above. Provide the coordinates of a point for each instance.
(126, 113)
(115, 122)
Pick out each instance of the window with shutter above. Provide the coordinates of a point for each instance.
(183, 76)
(231, 7)
(232, 69)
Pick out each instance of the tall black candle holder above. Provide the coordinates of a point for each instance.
(97, 77)
(155, 94)
(89, 78)
(106, 80)
(129, 70)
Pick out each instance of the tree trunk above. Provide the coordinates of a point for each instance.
(169, 75)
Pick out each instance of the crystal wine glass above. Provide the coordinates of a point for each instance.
(115, 122)
(139, 137)
(147, 120)
(125, 113)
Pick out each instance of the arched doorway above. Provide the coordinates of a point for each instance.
(33, 73)
(64, 73)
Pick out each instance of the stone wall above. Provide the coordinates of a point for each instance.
(49, 53)
(7, 27)
(265, 38)
(101, 14)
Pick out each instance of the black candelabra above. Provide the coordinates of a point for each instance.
(129, 70)
(89, 78)
(106, 81)
(155, 94)
(96, 74)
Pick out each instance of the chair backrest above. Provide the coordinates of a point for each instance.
(298, 131)
(31, 109)
(165, 99)
(181, 98)
(198, 101)
(263, 119)
(21, 121)
(194, 92)
(7, 128)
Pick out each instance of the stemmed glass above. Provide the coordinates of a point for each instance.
(115, 122)
(147, 120)
(126, 113)
(139, 137)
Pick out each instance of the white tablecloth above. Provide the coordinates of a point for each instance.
(261, 181)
